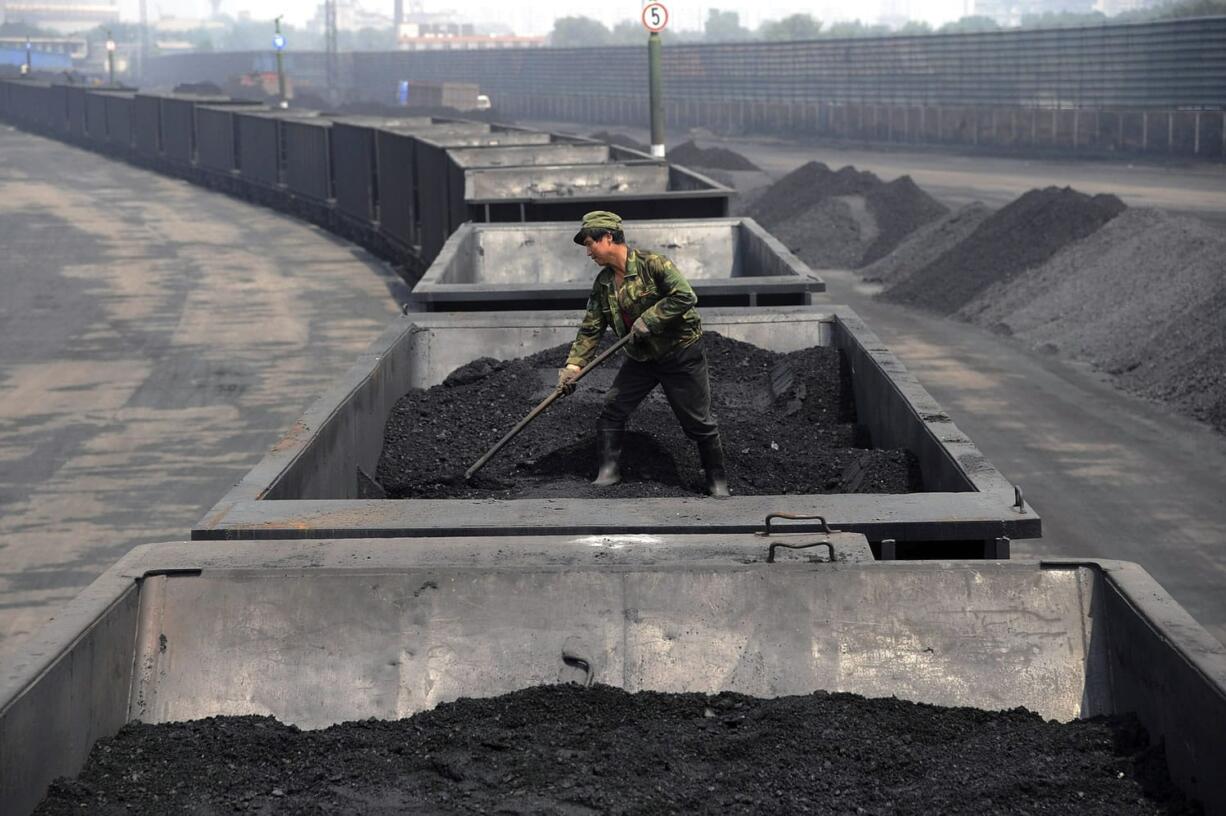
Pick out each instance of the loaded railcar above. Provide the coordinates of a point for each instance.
(355, 161)
(404, 197)
(179, 631)
(261, 144)
(438, 173)
(146, 127)
(508, 267)
(119, 119)
(217, 138)
(307, 144)
(175, 123)
(308, 485)
(95, 119)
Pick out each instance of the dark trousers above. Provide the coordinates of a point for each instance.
(687, 387)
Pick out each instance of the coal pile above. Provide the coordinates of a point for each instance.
(845, 218)
(199, 88)
(718, 158)
(926, 244)
(899, 208)
(788, 424)
(621, 139)
(807, 185)
(1021, 235)
(1142, 299)
(574, 750)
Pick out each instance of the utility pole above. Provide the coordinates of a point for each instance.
(278, 43)
(330, 47)
(110, 58)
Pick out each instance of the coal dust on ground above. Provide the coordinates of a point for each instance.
(788, 423)
(575, 750)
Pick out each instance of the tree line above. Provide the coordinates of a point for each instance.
(725, 26)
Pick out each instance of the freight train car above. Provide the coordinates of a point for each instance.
(315, 482)
(505, 267)
(401, 196)
(321, 632)
(472, 188)
(356, 165)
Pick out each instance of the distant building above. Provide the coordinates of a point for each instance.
(350, 17)
(179, 25)
(64, 16)
(453, 36)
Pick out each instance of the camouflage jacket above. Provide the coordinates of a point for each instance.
(652, 289)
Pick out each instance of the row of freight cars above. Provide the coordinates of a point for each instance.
(399, 186)
(306, 596)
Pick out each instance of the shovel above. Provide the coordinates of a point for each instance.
(545, 403)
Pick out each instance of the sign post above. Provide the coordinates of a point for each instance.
(110, 57)
(655, 18)
(278, 43)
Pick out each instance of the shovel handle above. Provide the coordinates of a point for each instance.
(545, 403)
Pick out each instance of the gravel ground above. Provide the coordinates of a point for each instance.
(1142, 298)
(926, 244)
(1017, 237)
(575, 751)
(799, 438)
(842, 219)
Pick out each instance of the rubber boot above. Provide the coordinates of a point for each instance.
(711, 451)
(609, 447)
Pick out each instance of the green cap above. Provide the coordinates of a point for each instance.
(598, 219)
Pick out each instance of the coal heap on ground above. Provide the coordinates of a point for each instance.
(575, 750)
(1021, 235)
(719, 158)
(620, 139)
(1143, 298)
(926, 244)
(201, 88)
(845, 218)
(806, 186)
(787, 420)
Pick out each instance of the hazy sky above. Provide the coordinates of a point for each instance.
(536, 16)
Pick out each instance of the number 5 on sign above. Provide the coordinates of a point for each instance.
(655, 17)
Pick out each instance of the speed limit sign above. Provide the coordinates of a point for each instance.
(655, 17)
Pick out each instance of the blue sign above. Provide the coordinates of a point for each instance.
(278, 41)
(402, 93)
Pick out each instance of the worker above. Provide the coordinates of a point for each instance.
(643, 294)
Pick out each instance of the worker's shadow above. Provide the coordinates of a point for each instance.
(643, 459)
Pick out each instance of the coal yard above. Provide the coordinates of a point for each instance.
(554, 463)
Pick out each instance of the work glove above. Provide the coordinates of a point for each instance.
(566, 378)
(641, 330)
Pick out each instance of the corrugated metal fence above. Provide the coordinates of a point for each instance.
(1173, 64)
